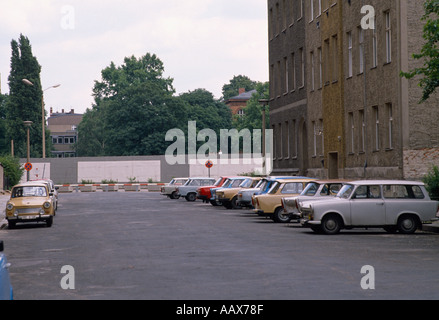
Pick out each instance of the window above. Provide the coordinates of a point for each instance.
(319, 4)
(402, 192)
(322, 139)
(293, 61)
(388, 38)
(279, 80)
(314, 128)
(302, 68)
(390, 118)
(367, 192)
(319, 50)
(312, 71)
(334, 58)
(292, 187)
(300, 9)
(287, 139)
(294, 138)
(326, 62)
(361, 49)
(374, 49)
(311, 10)
(349, 54)
(362, 132)
(352, 132)
(286, 71)
(377, 127)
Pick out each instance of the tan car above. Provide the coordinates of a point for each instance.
(270, 203)
(228, 196)
(30, 202)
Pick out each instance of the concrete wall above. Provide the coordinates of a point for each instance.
(142, 168)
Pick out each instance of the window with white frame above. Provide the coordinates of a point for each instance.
(350, 71)
(352, 132)
(374, 48)
(388, 37)
(390, 119)
(361, 49)
(362, 131)
(377, 127)
(312, 71)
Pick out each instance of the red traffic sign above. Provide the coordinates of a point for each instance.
(28, 166)
(209, 164)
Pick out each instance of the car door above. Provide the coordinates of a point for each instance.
(367, 206)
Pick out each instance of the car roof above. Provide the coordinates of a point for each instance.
(373, 182)
(31, 184)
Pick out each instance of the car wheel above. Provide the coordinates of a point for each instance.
(390, 229)
(49, 222)
(408, 224)
(214, 203)
(331, 224)
(175, 195)
(191, 197)
(11, 224)
(279, 217)
(234, 203)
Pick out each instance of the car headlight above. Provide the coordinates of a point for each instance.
(9, 206)
(46, 205)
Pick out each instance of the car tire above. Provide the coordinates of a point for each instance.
(49, 222)
(331, 224)
(175, 195)
(279, 218)
(234, 203)
(408, 224)
(12, 225)
(191, 197)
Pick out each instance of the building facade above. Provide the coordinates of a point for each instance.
(63, 132)
(361, 118)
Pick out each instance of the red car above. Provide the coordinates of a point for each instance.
(203, 193)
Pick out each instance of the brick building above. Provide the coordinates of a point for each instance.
(338, 106)
(63, 132)
(239, 102)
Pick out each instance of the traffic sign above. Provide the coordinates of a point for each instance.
(209, 164)
(28, 166)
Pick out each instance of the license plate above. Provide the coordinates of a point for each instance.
(28, 217)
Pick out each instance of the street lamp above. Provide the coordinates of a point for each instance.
(27, 124)
(264, 103)
(43, 116)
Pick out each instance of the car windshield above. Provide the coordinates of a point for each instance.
(29, 191)
(346, 191)
(310, 189)
(246, 183)
(236, 183)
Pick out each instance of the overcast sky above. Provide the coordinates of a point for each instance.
(202, 43)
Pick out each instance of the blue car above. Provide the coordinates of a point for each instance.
(6, 292)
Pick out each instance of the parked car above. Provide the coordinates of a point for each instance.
(6, 291)
(245, 195)
(315, 190)
(231, 182)
(204, 193)
(170, 190)
(228, 197)
(402, 206)
(30, 202)
(270, 204)
(189, 189)
(52, 189)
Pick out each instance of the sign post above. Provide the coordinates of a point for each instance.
(209, 164)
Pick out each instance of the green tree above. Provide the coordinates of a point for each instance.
(4, 146)
(134, 108)
(12, 170)
(232, 88)
(429, 52)
(24, 101)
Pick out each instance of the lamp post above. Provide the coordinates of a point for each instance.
(43, 115)
(264, 103)
(27, 124)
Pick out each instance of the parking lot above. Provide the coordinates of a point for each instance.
(142, 245)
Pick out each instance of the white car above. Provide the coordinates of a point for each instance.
(402, 206)
(315, 190)
(170, 190)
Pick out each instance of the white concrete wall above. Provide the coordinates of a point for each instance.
(39, 171)
(120, 171)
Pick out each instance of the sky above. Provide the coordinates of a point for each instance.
(202, 43)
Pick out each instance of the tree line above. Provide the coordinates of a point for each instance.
(134, 105)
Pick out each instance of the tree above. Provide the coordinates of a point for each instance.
(24, 101)
(232, 89)
(429, 52)
(134, 108)
(3, 141)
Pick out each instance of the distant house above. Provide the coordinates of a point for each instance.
(63, 132)
(239, 102)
